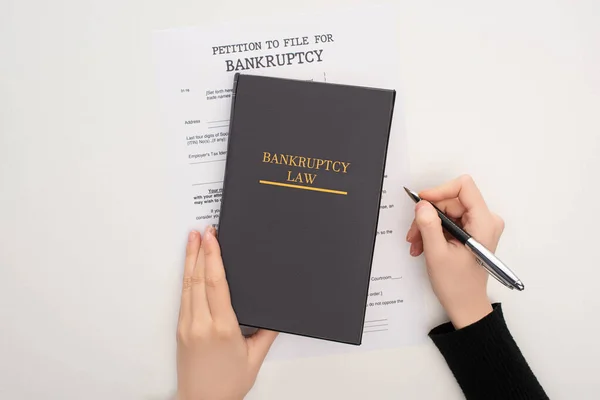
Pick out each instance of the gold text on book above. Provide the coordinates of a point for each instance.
(306, 162)
(311, 163)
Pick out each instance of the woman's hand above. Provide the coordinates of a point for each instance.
(214, 360)
(457, 280)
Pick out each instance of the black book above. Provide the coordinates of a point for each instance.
(303, 180)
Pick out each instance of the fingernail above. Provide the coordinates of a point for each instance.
(420, 205)
(412, 250)
(209, 235)
(192, 236)
(408, 236)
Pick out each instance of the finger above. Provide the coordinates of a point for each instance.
(449, 237)
(451, 207)
(259, 345)
(191, 254)
(217, 289)
(416, 248)
(463, 187)
(430, 226)
(413, 233)
(200, 310)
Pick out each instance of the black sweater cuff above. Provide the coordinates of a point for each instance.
(486, 361)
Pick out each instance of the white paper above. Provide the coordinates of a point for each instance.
(194, 72)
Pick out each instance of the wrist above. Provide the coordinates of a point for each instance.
(464, 316)
(179, 396)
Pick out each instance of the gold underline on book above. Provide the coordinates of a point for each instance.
(314, 189)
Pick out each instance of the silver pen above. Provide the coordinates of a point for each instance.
(484, 257)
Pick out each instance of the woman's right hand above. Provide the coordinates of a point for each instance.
(457, 280)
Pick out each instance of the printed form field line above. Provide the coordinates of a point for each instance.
(376, 320)
(207, 162)
(206, 183)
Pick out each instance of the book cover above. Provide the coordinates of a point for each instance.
(303, 180)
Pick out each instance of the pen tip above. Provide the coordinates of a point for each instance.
(519, 285)
(412, 194)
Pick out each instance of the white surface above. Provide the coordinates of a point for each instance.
(508, 91)
(184, 59)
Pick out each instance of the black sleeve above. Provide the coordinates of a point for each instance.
(486, 361)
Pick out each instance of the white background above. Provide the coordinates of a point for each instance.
(507, 91)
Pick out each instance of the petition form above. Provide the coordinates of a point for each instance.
(195, 69)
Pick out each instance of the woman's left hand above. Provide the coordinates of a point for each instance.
(214, 360)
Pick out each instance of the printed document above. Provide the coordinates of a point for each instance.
(195, 69)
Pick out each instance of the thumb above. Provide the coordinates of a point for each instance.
(259, 345)
(430, 226)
